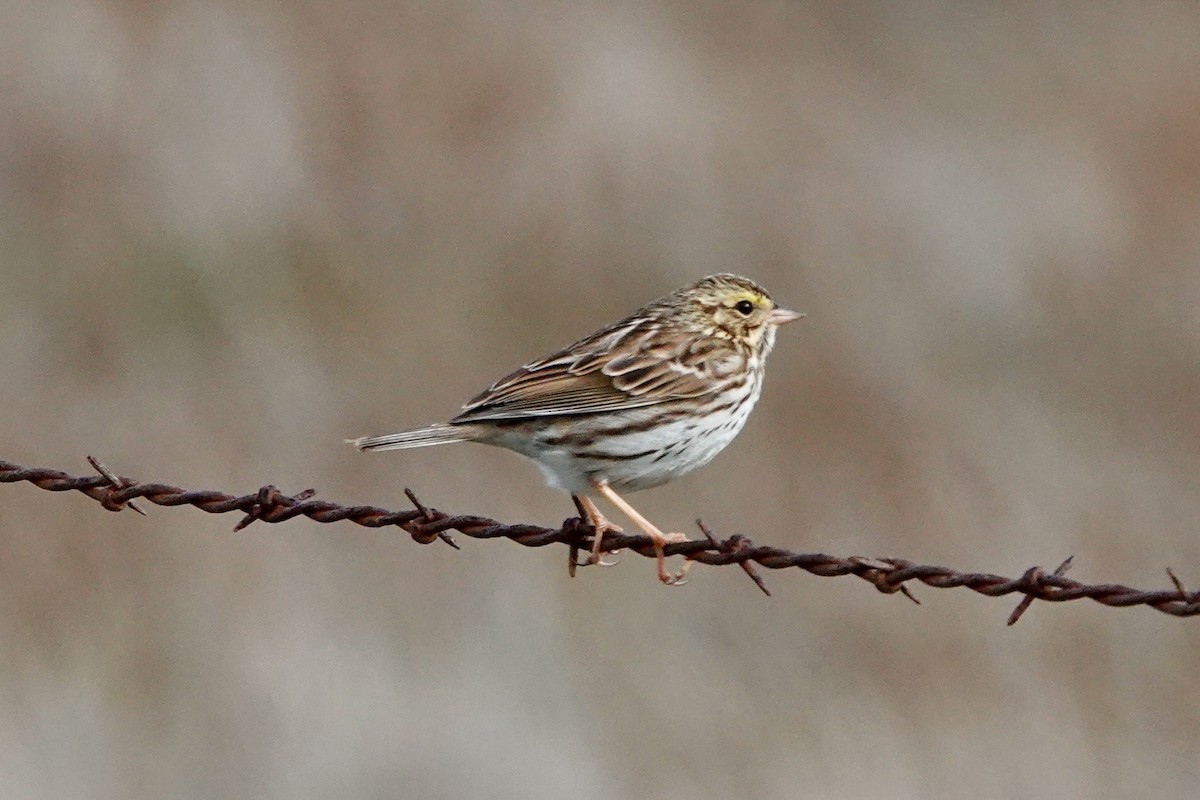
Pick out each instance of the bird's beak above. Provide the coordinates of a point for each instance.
(782, 316)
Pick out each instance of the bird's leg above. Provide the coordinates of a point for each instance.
(659, 538)
(600, 525)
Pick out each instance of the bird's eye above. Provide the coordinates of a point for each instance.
(744, 307)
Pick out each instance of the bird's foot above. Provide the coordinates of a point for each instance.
(679, 578)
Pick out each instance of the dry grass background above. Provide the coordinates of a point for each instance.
(233, 234)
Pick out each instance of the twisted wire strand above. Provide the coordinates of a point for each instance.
(426, 525)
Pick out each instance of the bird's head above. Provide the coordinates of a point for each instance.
(737, 308)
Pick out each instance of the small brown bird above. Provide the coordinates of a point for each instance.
(632, 406)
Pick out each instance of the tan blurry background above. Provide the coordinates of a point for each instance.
(232, 235)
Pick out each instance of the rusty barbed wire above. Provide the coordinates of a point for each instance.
(426, 525)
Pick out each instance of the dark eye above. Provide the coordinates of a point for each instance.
(744, 307)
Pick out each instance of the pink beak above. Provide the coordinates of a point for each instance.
(782, 316)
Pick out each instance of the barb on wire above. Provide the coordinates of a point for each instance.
(1035, 575)
(116, 483)
(426, 525)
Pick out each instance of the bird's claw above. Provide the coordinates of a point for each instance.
(600, 562)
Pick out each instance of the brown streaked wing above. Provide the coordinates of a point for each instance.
(618, 368)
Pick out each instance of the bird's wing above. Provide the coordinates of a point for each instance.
(626, 366)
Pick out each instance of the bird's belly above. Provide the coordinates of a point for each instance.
(628, 451)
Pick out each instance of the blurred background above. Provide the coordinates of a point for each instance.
(234, 234)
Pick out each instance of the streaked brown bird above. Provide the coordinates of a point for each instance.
(632, 406)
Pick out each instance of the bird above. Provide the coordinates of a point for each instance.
(632, 406)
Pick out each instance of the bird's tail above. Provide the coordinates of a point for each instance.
(438, 433)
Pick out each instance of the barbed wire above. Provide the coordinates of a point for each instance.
(426, 525)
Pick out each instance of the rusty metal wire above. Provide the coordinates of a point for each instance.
(426, 525)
